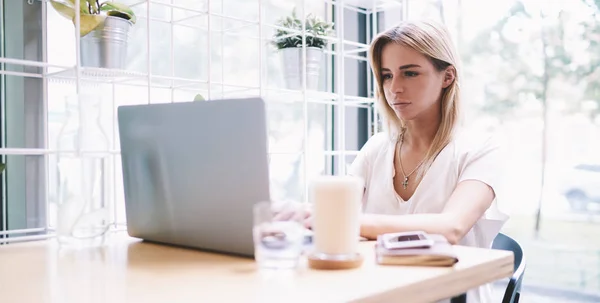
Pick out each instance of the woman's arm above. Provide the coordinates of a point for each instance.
(466, 205)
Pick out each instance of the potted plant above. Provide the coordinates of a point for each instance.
(289, 44)
(199, 97)
(104, 30)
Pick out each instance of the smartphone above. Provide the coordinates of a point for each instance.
(413, 239)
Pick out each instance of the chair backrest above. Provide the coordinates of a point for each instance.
(513, 289)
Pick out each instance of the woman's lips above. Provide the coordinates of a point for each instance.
(400, 105)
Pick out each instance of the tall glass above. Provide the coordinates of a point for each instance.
(278, 235)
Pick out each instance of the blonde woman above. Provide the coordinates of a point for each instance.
(424, 172)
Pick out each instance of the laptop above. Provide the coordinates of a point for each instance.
(193, 171)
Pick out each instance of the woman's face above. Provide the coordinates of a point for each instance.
(411, 83)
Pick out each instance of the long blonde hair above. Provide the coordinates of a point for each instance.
(433, 41)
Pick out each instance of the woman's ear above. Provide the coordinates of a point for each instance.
(449, 76)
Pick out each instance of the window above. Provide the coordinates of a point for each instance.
(22, 113)
(530, 74)
(176, 50)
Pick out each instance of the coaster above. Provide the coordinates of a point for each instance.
(334, 262)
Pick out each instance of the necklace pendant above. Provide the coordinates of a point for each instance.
(405, 183)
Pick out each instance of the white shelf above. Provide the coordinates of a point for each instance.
(116, 76)
(100, 75)
(11, 62)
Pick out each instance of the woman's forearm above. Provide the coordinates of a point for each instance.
(373, 225)
(468, 203)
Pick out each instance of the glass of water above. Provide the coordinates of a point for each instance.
(278, 235)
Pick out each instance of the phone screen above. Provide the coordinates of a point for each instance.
(408, 238)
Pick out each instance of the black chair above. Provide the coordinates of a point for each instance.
(513, 289)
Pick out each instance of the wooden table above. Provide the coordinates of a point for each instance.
(130, 270)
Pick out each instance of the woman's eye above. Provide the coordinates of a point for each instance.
(386, 76)
(410, 74)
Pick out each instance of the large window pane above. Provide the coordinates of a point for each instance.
(22, 116)
(530, 75)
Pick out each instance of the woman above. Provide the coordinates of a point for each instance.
(424, 172)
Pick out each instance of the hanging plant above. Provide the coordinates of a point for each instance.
(92, 12)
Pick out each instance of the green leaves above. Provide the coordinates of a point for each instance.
(89, 23)
(66, 10)
(93, 6)
(2, 167)
(90, 12)
(315, 30)
(83, 7)
(198, 97)
(118, 10)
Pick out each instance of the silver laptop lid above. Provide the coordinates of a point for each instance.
(192, 172)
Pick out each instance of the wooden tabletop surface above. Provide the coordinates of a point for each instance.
(131, 270)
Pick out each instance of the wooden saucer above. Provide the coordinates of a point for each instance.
(327, 262)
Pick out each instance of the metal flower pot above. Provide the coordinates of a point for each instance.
(106, 46)
(292, 67)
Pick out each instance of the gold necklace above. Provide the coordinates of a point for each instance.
(405, 182)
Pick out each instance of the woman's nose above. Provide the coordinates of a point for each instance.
(396, 86)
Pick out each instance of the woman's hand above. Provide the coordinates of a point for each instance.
(301, 212)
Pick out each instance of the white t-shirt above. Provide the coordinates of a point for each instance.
(469, 156)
